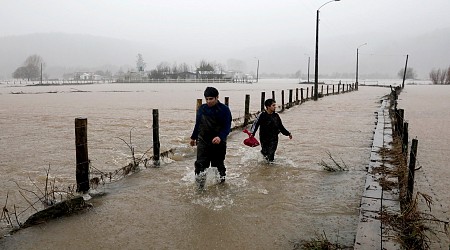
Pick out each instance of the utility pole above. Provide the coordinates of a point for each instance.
(404, 73)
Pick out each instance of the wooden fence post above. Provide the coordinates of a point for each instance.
(282, 100)
(227, 101)
(296, 96)
(307, 93)
(401, 115)
(290, 98)
(199, 103)
(396, 115)
(156, 143)
(82, 167)
(301, 95)
(405, 139)
(411, 172)
(273, 94)
(333, 89)
(321, 90)
(327, 90)
(247, 110)
(263, 99)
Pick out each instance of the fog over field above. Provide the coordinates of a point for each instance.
(89, 35)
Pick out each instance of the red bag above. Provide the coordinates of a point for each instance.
(251, 141)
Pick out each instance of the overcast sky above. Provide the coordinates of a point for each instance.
(212, 25)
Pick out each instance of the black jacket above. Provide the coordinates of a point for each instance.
(270, 126)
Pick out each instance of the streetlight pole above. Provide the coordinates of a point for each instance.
(357, 55)
(316, 77)
(309, 59)
(257, 70)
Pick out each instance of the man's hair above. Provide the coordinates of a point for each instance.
(269, 102)
(211, 92)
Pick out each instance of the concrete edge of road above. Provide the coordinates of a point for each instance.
(371, 233)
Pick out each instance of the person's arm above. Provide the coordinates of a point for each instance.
(255, 125)
(226, 126)
(283, 130)
(195, 132)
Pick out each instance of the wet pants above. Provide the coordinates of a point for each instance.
(210, 154)
(268, 149)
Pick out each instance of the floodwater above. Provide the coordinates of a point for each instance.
(427, 111)
(259, 207)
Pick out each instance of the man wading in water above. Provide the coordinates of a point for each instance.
(212, 126)
(271, 126)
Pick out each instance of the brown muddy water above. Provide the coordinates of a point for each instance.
(259, 207)
(427, 111)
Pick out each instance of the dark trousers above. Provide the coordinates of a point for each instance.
(268, 148)
(210, 154)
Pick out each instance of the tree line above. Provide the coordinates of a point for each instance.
(165, 70)
(440, 76)
(34, 65)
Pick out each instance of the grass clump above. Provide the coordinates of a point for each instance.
(320, 242)
(335, 166)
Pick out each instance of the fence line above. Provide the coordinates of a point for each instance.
(248, 118)
(400, 127)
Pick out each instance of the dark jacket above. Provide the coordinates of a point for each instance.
(270, 126)
(211, 122)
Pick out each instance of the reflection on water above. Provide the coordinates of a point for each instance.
(259, 207)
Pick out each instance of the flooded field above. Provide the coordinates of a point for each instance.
(427, 111)
(260, 206)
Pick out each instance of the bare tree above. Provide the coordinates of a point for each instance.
(31, 68)
(410, 73)
(184, 67)
(442, 76)
(175, 68)
(35, 60)
(447, 80)
(205, 69)
(220, 67)
(435, 76)
(161, 71)
(163, 68)
(205, 66)
(140, 64)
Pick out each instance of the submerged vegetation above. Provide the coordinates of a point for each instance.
(51, 201)
(335, 166)
(320, 242)
(410, 225)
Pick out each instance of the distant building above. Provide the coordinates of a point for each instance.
(86, 76)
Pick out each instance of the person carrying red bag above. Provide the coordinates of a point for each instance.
(251, 141)
(270, 125)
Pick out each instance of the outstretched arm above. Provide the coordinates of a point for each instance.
(283, 130)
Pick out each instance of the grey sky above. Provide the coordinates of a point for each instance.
(213, 27)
